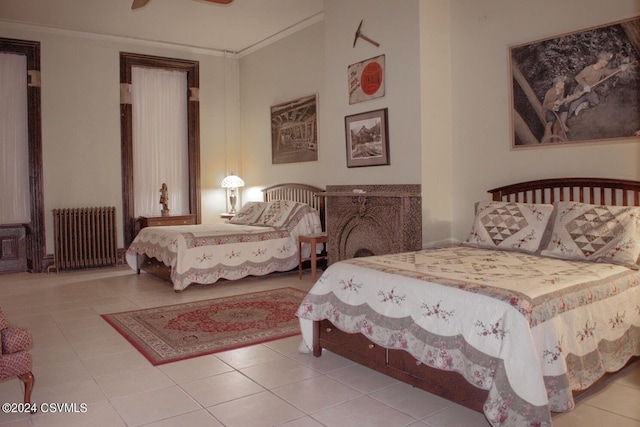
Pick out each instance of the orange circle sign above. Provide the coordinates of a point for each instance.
(371, 78)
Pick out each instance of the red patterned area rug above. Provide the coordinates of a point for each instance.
(176, 332)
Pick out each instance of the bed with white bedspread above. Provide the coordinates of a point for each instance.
(541, 301)
(262, 238)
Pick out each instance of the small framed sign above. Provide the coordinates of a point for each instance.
(366, 80)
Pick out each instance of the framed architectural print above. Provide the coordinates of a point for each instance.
(577, 87)
(366, 80)
(294, 131)
(367, 137)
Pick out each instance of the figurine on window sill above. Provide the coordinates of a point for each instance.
(164, 200)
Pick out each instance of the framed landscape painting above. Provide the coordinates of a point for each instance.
(578, 87)
(367, 136)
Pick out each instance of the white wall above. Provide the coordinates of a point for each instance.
(436, 130)
(448, 83)
(315, 60)
(288, 69)
(81, 120)
(395, 25)
(447, 91)
(481, 33)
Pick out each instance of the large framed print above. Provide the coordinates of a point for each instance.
(577, 87)
(366, 80)
(294, 131)
(367, 136)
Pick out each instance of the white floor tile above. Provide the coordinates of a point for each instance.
(586, 415)
(194, 369)
(317, 393)
(69, 392)
(100, 414)
(221, 388)
(302, 422)
(155, 405)
(411, 400)
(279, 372)
(132, 382)
(262, 409)
(249, 356)
(200, 418)
(79, 358)
(363, 379)
(363, 411)
(100, 348)
(114, 363)
(617, 398)
(456, 416)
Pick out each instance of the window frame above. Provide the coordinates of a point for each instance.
(36, 241)
(127, 61)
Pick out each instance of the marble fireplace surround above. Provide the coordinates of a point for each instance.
(367, 220)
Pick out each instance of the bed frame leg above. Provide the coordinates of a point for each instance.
(139, 261)
(317, 350)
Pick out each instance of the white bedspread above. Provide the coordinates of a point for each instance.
(208, 252)
(528, 329)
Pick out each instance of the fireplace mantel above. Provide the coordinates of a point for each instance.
(372, 220)
(365, 194)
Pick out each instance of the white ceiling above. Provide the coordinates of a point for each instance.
(239, 26)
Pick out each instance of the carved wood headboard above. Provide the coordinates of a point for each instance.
(602, 191)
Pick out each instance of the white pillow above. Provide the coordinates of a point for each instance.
(586, 232)
(249, 214)
(509, 225)
(279, 212)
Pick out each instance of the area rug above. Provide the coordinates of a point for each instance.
(181, 331)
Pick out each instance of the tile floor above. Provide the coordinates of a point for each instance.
(80, 359)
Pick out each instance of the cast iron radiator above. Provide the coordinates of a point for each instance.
(85, 237)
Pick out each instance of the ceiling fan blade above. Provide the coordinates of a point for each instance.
(220, 1)
(139, 3)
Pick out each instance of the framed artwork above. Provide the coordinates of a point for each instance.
(366, 80)
(294, 131)
(578, 87)
(367, 137)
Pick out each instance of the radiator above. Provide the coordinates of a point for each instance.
(85, 237)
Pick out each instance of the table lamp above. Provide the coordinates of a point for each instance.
(232, 182)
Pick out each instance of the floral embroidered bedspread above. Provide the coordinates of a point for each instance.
(529, 329)
(206, 253)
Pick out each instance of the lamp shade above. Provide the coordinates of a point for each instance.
(232, 181)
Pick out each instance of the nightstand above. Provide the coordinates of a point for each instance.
(312, 240)
(153, 221)
(227, 215)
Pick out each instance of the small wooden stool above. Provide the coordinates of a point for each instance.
(313, 240)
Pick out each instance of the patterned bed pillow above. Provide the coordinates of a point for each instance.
(279, 213)
(249, 214)
(596, 233)
(509, 225)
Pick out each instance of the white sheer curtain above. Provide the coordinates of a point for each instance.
(160, 151)
(14, 146)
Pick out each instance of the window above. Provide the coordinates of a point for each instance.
(36, 248)
(127, 62)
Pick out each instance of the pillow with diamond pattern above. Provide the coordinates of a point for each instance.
(595, 233)
(279, 213)
(509, 226)
(249, 214)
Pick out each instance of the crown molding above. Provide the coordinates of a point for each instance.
(282, 34)
(16, 25)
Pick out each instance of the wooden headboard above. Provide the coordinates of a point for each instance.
(602, 191)
(298, 193)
